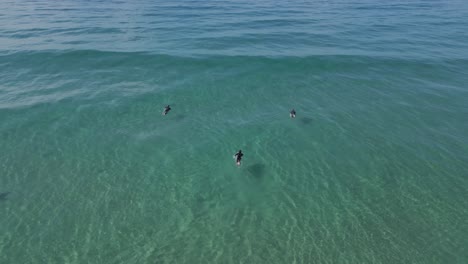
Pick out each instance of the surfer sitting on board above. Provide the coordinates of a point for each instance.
(166, 109)
(292, 114)
(238, 157)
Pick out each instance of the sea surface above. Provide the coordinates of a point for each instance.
(374, 168)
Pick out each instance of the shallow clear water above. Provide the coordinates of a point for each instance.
(373, 169)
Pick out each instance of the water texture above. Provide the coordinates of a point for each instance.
(374, 169)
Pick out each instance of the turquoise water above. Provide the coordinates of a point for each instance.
(374, 169)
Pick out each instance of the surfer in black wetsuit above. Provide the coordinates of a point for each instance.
(292, 114)
(166, 109)
(238, 157)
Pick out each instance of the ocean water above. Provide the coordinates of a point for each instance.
(374, 169)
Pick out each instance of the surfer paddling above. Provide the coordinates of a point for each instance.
(238, 157)
(167, 108)
(292, 114)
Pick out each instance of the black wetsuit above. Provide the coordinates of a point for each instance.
(238, 156)
(167, 109)
(293, 113)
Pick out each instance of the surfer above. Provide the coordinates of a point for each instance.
(238, 157)
(292, 114)
(167, 108)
